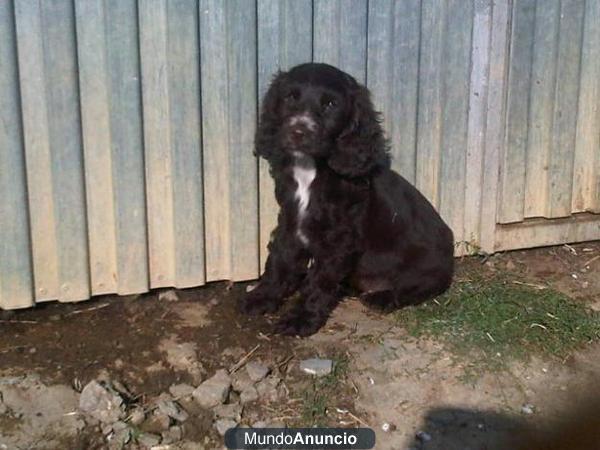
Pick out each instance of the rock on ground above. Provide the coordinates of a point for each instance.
(148, 440)
(157, 422)
(101, 402)
(250, 394)
(137, 416)
(181, 390)
(173, 434)
(166, 405)
(222, 425)
(317, 366)
(213, 391)
(121, 435)
(232, 411)
(268, 388)
(169, 295)
(241, 380)
(256, 371)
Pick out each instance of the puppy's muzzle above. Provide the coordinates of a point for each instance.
(300, 130)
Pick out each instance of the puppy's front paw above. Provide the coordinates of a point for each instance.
(299, 324)
(256, 303)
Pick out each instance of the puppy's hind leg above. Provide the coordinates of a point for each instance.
(382, 301)
(377, 292)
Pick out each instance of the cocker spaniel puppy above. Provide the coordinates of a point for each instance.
(345, 217)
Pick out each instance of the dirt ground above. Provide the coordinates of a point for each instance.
(411, 391)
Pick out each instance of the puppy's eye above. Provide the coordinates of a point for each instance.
(328, 105)
(291, 97)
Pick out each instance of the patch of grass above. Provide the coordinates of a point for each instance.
(321, 393)
(495, 321)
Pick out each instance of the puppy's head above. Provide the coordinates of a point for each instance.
(320, 111)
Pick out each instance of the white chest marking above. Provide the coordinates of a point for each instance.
(304, 174)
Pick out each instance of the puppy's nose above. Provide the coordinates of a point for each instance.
(298, 133)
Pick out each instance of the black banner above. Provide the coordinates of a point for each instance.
(299, 438)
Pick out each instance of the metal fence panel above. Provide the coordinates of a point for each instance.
(126, 128)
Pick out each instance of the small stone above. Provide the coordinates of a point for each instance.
(190, 445)
(423, 436)
(157, 422)
(250, 394)
(121, 435)
(106, 429)
(119, 363)
(317, 366)
(387, 427)
(213, 391)
(181, 390)
(137, 416)
(169, 295)
(233, 352)
(259, 424)
(173, 434)
(241, 380)
(167, 406)
(119, 426)
(222, 425)
(148, 440)
(256, 371)
(267, 388)
(528, 409)
(510, 265)
(231, 411)
(101, 402)
(275, 424)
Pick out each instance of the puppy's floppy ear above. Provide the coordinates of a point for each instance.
(361, 147)
(264, 140)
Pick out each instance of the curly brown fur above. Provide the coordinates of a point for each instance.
(363, 223)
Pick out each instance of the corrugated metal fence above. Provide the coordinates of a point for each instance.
(126, 128)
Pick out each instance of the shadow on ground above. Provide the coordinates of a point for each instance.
(466, 429)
